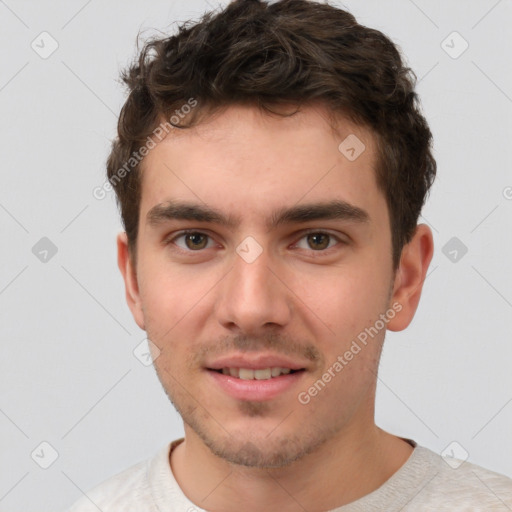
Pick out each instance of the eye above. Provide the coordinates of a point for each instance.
(317, 241)
(193, 241)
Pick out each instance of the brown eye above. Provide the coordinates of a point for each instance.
(318, 241)
(195, 241)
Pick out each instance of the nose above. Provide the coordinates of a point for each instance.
(252, 297)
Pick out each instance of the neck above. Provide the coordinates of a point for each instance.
(345, 468)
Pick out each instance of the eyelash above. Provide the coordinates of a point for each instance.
(339, 241)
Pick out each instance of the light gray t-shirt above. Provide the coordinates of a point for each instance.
(426, 482)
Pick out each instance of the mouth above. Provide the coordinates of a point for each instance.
(260, 384)
(256, 374)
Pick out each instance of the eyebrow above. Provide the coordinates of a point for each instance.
(331, 210)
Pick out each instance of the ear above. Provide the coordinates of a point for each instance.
(410, 276)
(125, 264)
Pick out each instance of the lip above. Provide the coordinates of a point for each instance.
(258, 362)
(255, 390)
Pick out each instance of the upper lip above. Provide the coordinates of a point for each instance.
(256, 362)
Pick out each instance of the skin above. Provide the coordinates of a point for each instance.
(305, 297)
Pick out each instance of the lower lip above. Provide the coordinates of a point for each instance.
(256, 390)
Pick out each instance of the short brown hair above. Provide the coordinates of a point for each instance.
(265, 54)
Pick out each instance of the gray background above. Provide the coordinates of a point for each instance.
(68, 373)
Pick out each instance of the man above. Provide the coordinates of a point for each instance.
(270, 167)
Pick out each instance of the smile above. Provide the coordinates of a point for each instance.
(259, 384)
(260, 374)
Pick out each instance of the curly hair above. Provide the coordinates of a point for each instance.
(268, 54)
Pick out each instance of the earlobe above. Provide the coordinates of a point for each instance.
(410, 276)
(128, 271)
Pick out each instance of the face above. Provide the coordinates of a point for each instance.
(263, 250)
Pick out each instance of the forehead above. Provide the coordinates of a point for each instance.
(247, 162)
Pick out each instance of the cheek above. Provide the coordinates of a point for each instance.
(348, 299)
(170, 293)
(166, 303)
(178, 305)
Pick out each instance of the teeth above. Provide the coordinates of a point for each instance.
(263, 374)
(250, 374)
(246, 374)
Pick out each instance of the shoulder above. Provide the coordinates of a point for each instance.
(128, 491)
(459, 485)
